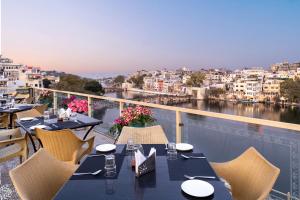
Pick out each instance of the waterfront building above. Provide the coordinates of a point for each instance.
(253, 89)
(271, 88)
(239, 87)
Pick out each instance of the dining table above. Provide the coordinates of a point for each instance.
(16, 108)
(162, 183)
(52, 124)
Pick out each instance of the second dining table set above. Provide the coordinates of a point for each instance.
(51, 122)
(109, 173)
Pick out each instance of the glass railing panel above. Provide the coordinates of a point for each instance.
(166, 119)
(223, 140)
(107, 111)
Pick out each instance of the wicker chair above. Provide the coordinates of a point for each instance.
(28, 113)
(250, 175)
(41, 108)
(64, 145)
(146, 135)
(41, 176)
(4, 121)
(12, 144)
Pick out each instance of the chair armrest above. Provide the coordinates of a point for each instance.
(90, 142)
(22, 141)
(80, 152)
(11, 132)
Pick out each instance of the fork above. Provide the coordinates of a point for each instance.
(88, 173)
(194, 177)
(187, 157)
(95, 155)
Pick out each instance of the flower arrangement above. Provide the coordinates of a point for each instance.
(138, 116)
(46, 97)
(67, 101)
(78, 105)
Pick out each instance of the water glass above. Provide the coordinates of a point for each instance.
(172, 152)
(73, 116)
(46, 116)
(130, 145)
(139, 147)
(110, 166)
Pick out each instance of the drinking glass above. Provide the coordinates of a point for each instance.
(46, 116)
(172, 152)
(73, 116)
(110, 166)
(139, 147)
(130, 145)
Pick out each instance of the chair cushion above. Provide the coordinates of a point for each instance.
(8, 150)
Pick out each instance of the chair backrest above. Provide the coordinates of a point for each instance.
(41, 176)
(61, 143)
(145, 135)
(41, 108)
(28, 113)
(253, 176)
(29, 100)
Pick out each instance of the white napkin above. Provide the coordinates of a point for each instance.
(68, 112)
(62, 113)
(38, 126)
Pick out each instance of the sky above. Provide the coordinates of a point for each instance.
(120, 36)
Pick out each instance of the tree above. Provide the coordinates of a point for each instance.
(93, 86)
(73, 83)
(138, 80)
(119, 80)
(196, 79)
(216, 92)
(46, 83)
(291, 89)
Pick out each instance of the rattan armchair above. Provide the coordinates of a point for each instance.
(41, 108)
(250, 175)
(64, 145)
(13, 145)
(41, 176)
(4, 120)
(145, 135)
(28, 113)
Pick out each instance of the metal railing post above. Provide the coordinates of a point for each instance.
(178, 127)
(90, 107)
(121, 107)
(55, 100)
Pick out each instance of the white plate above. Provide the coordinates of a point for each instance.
(14, 108)
(26, 118)
(184, 147)
(197, 188)
(105, 147)
(38, 126)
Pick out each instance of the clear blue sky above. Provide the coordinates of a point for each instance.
(112, 36)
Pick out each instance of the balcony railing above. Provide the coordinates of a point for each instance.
(224, 136)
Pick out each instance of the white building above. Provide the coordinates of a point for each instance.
(253, 89)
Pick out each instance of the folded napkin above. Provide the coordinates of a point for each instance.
(38, 126)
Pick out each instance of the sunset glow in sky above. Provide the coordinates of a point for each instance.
(113, 36)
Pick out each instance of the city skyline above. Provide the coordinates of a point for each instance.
(115, 37)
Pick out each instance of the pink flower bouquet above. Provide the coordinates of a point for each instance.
(78, 105)
(138, 116)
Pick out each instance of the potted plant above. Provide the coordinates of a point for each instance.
(46, 97)
(138, 116)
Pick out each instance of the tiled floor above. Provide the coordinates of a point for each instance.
(7, 191)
